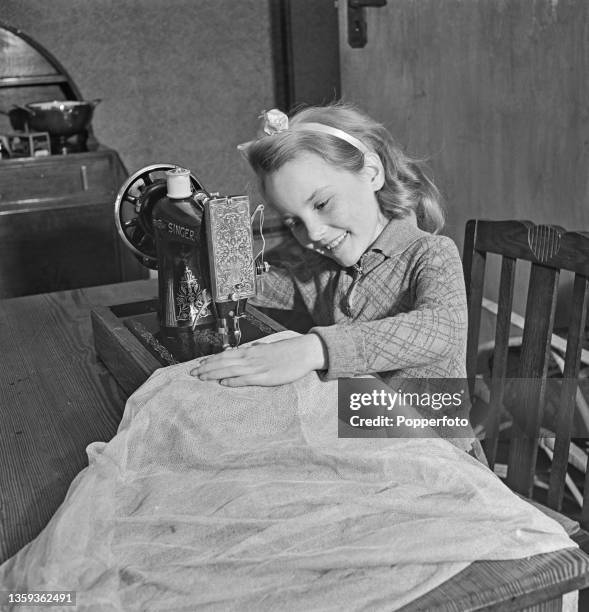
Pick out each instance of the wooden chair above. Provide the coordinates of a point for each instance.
(549, 250)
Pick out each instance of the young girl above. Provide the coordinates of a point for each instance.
(385, 292)
(384, 289)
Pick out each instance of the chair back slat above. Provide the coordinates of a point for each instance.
(569, 390)
(531, 380)
(500, 355)
(474, 269)
(584, 520)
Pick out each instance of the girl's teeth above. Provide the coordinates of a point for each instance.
(336, 242)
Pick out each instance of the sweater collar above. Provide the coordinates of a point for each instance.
(397, 235)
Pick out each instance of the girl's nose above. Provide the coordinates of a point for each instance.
(315, 231)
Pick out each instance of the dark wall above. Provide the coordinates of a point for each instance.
(181, 81)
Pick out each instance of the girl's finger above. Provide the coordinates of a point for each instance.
(228, 371)
(211, 365)
(243, 381)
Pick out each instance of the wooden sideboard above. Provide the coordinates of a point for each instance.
(57, 227)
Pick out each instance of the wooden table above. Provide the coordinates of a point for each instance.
(56, 397)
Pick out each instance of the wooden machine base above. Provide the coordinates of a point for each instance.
(127, 341)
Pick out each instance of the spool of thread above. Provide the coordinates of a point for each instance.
(178, 183)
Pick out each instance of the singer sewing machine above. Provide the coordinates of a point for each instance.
(201, 244)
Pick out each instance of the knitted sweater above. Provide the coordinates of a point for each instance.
(400, 311)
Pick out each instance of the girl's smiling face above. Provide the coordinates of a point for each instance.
(329, 210)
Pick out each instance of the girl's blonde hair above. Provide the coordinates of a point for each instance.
(406, 186)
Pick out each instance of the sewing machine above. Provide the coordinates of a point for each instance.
(202, 246)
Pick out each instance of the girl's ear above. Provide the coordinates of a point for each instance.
(374, 170)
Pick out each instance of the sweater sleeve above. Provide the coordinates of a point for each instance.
(434, 329)
(277, 290)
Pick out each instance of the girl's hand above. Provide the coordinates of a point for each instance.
(268, 365)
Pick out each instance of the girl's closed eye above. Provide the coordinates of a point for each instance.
(321, 205)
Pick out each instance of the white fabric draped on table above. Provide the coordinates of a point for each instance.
(216, 498)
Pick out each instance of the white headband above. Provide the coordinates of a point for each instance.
(275, 122)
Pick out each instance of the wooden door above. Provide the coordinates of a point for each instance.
(494, 93)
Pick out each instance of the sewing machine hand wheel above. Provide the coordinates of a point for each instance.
(133, 206)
